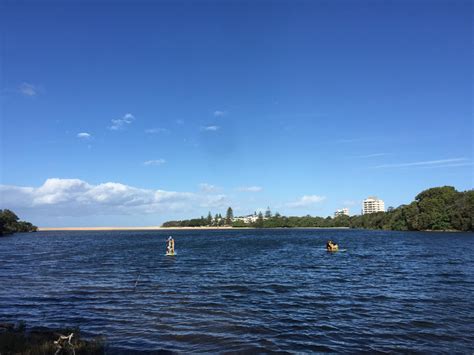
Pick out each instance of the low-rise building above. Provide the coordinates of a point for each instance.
(341, 212)
(251, 218)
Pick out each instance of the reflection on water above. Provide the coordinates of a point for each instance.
(246, 290)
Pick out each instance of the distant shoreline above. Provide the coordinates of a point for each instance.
(158, 228)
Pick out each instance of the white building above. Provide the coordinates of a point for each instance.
(372, 204)
(342, 212)
(251, 218)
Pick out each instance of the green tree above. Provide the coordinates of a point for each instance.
(9, 223)
(434, 205)
(209, 219)
(268, 213)
(341, 221)
(259, 222)
(462, 212)
(239, 224)
(229, 216)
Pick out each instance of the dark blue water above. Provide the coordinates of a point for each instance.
(247, 290)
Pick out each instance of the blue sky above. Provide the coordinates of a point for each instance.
(133, 113)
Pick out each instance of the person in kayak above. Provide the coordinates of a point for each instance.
(170, 246)
(331, 246)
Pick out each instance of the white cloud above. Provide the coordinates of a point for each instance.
(74, 197)
(120, 123)
(157, 130)
(250, 188)
(210, 128)
(306, 201)
(431, 163)
(220, 113)
(207, 188)
(84, 135)
(154, 162)
(28, 89)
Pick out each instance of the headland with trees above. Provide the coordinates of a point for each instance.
(439, 208)
(10, 223)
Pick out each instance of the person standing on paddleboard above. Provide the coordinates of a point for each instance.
(170, 246)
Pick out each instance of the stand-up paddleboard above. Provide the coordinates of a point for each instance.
(170, 247)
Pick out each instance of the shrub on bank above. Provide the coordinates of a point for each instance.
(16, 339)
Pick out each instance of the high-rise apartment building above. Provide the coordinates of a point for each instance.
(373, 204)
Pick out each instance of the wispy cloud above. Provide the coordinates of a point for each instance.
(74, 197)
(84, 135)
(219, 113)
(250, 188)
(210, 128)
(455, 165)
(306, 201)
(208, 188)
(157, 130)
(371, 155)
(180, 122)
(28, 89)
(350, 140)
(154, 162)
(120, 123)
(422, 163)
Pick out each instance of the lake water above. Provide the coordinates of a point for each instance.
(247, 290)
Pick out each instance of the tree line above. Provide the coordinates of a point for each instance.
(209, 221)
(438, 208)
(10, 223)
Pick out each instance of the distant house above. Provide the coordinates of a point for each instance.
(341, 212)
(251, 218)
(372, 204)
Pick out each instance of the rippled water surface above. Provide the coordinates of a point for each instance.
(246, 290)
